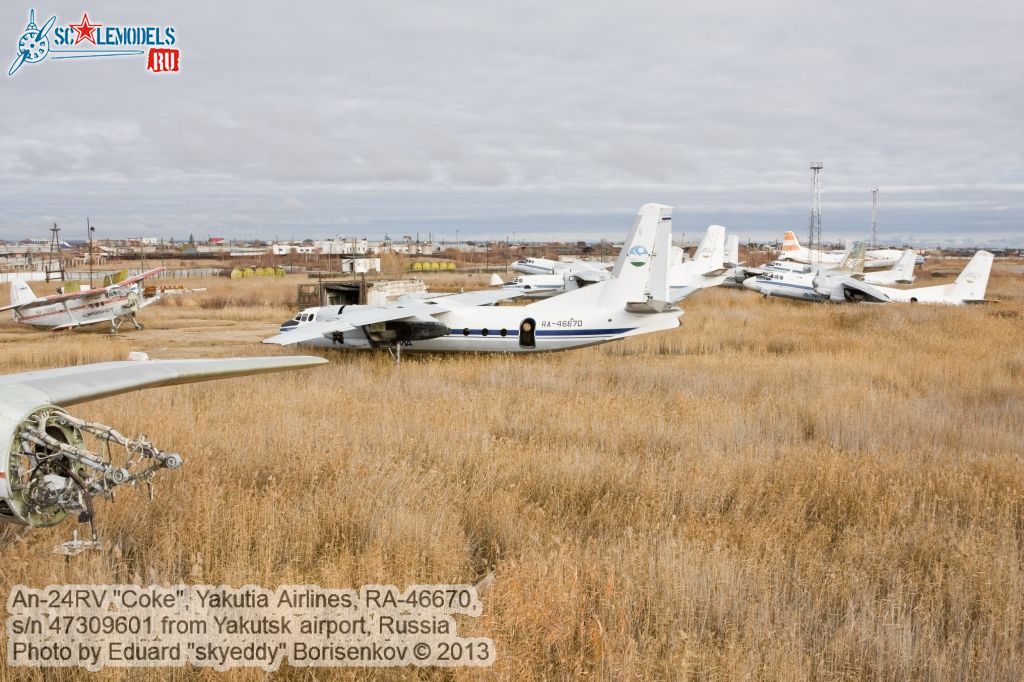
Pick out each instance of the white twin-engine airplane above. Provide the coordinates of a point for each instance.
(116, 302)
(710, 266)
(852, 265)
(545, 286)
(707, 268)
(969, 286)
(635, 300)
(874, 258)
(54, 465)
(545, 266)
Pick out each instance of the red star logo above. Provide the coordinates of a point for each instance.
(85, 30)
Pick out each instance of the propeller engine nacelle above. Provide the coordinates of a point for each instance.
(53, 465)
(831, 288)
(400, 331)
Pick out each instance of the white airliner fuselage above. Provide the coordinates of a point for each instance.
(506, 329)
(633, 300)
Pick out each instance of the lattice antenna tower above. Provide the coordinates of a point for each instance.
(814, 239)
(54, 262)
(874, 218)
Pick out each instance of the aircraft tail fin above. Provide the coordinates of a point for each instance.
(971, 283)
(115, 278)
(21, 293)
(904, 268)
(732, 250)
(631, 276)
(658, 286)
(853, 260)
(711, 251)
(790, 243)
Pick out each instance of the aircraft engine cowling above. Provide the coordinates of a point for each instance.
(829, 287)
(400, 331)
(53, 465)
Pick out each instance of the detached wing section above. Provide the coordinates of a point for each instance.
(72, 385)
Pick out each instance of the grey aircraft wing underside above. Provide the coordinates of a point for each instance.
(71, 385)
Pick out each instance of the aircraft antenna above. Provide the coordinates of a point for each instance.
(874, 218)
(814, 239)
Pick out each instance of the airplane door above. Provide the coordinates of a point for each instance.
(527, 333)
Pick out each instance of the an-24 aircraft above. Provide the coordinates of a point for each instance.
(116, 302)
(53, 465)
(546, 266)
(635, 300)
(794, 251)
(712, 261)
(968, 287)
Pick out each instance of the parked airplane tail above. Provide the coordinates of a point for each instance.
(115, 278)
(971, 283)
(853, 260)
(790, 243)
(732, 250)
(21, 293)
(631, 277)
(711, 250)
(658, 287)
(904, 268)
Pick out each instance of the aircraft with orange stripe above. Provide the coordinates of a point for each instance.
(873, 258)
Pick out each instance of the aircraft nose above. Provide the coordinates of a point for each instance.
(751, 283)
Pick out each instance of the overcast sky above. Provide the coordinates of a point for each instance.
(542, 119)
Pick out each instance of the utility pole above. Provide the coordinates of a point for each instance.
(90, 230)
(874, 218)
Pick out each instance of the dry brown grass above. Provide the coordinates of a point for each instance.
(776, 490)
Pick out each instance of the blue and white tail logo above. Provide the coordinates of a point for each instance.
(639, 255)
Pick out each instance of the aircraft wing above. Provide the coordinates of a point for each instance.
(474, 298)
(407, 307)
(589, 266)
(357, 318)
(592, 276)
(71, 385)
(55, 298)
(471, 298)
(847, 288)
(310, 331)
(139, 277)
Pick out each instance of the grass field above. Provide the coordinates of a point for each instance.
(776, 490)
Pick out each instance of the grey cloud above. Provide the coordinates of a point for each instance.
(517, 116)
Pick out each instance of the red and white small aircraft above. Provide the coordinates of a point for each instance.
(115, 302)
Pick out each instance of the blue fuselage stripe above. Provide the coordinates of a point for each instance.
(774, 283)
(512, 333)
